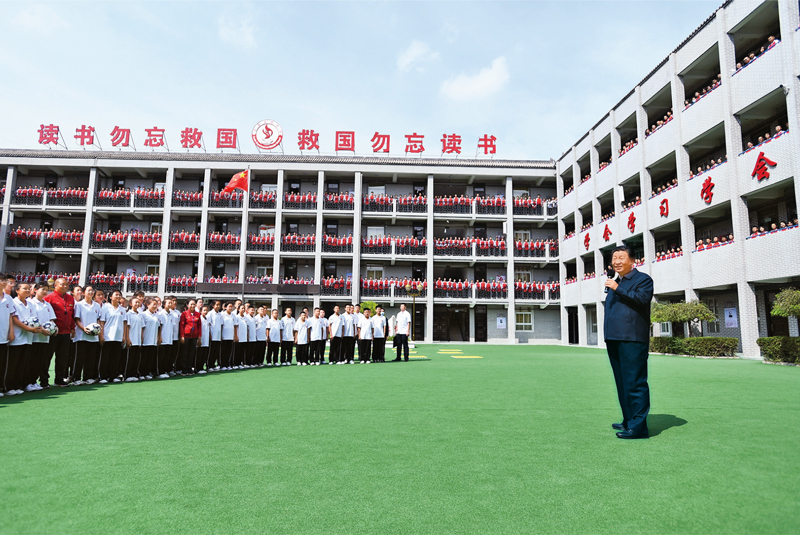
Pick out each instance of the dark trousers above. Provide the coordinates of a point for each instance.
(15, 372)
(43, 373)
(148, 360)
(402, 345)
(62, 347)
(3, 366)
(316, 350)
(629, 364)
(87, 360)
(239, 352)
(176, 354)
(188, 350)
(335, 354)
(273, 352)
(286, 351)
(364, 349)
(348, 348)
(164, 360)
(132, 355)
(110, 366)
(259, 350)
(378, 349)
(226, 353)
(34, 363)
(213, 354)
(201, 359)
(302, 353)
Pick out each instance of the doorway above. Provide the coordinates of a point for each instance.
(572, 324)
(481, 324)
(776, 325)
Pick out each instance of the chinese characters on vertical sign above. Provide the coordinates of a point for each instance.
(632, 222)
(760, 170)
(706, 193)
(586, 240)
(663, 208)
(607, 233)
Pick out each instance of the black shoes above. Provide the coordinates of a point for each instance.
(631, 435)
(618, 427)
(396, 360)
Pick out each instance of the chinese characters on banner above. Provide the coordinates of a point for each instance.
(267, 135)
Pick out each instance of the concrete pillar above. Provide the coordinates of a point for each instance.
(789, 12)
(358, 195)
(512, 307)
(165, 230)
(748, 324)
(276, 258)
(11, 184)
(318, 232)
(87, 235)
(201, 259)
(429, 263)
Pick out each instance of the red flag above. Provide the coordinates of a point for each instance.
(239, 181)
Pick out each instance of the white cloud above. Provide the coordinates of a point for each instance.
(240, 33)
(39, 18)
(487, 82)
(419, 54)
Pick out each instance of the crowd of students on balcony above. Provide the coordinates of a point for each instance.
(148, 197)
(627, 205)
(109, 239)
(713, 243)
(762, 140)
(628, 145)
(181, 283)
(66, 196)
(461, 204)
(535, 247)
(376, 244)
(187, 199)
(750, 57)
(670, 184)
(377, 203)
(223, 241)
(667, 254)
(371, 287)
(105, 281)
(184, 240)
(781, 226)
(145, 240)
(661, 122)
(569, 189)
(526, 205)
(712, 163)
(300, 201)
(260, 242)
(606, 217)
(264, 200)
(569, 234)
(253, 279)
(585, 178)
(41, 277)
(588, 275)
(535, 289)
(330, 285)
(699, 94)
(298, 243)
(412, 203)
(603, 165)
(339, 201)
(463, 246)
(53, 238)
(586, 226)
(337, 244)
(223, 199)
(113, 197)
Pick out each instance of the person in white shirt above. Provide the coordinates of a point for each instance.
(215, 336)
(335, 332)
(273, 338)
(165, 360)
(301, 328)
(241, 346)
(402, 329)
(229, 323)
(201, 357)
(176, 336)
(7, 311)
(38, 365)
(316, 343)
(287, 338)
(252, 336)
(134, 324)
(378, 335)
(112, 320)
(151, 339)
(260, 348)
(348, 335)
(364, 332)
(87, 352)
(321, 327)
(19, 347)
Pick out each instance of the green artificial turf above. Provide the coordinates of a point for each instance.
(516, 442)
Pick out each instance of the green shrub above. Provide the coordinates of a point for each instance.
(667, 344)
(697, 347)
(780, 348)
(371, 305)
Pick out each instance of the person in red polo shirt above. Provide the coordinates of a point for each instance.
(64, 307)
(189, 330)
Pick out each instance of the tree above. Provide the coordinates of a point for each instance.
(787, 303)
(680, 313)
(371, 305)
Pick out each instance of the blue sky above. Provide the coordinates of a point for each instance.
(537, 75)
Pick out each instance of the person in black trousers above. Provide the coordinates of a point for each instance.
(627, 335)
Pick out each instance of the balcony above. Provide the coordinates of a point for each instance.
(262, 200)
(339, 202)
(190, 242)
(670, 275)
(187, 199)
(148, 199)
(222, 242)
(661, 142)
(777, 150)
(606, 178)
(292, 201)
(720, 177)
(757, 79)
(27, 197)
(181, 285)
(629, 163)
(703, 114)
(665, 207)
(707, 264)
(217, 199)
(774, 250)
(113, 199)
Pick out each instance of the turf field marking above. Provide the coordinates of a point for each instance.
(466, 357)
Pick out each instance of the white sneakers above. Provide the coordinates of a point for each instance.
(90, 381)
(351, 362)
(172, 374)
(103, 382)
(201, 372)
(163, 376)
(116, 380)
(77, 383)
(148, 377)
(131, 380)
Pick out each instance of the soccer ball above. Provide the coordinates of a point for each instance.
(94, 328)
(32, 322)
(50, 328)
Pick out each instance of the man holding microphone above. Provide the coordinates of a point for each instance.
(627, 336)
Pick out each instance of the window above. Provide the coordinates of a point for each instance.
(152, 269)
(330, 269)
(263, 271)
(419, 232)
(269, 187)
(155, 227)
(374, 271)
(292, 227)
(521, 193)
(332, 229)
(290, 269)
(294, 187)
(666, 328)
(419, 188)
(333, 187)
(376, 190)
(160, 185)
(266, 230)
(524, 320)
(593, 320)
(523, 275)
(522, 235)
(480, 231)
(375, 231)
(479, 189)
(713, 326)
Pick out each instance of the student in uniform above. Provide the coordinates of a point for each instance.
(229, 324)
(273, 338)
(151, 339)
(252, 336)
(215, 336)
(316, 330)
(112, 320)
(301, 328)
(7, 310)
(87, 351)
(19, 348)
(165, 352)
(176, 336)
(348, 335)
(190, 330)
(260, 347)
(402, 328)
(202, 359)
(335, 333)
(287, 337)
(241, 345)
(38, 365)
(378, 335)
(134, 324)
(364, 333)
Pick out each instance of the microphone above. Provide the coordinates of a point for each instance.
(610, 273)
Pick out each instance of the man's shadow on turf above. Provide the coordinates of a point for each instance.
(657, 423)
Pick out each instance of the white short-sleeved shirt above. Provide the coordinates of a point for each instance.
(176, 326)
(261, 328)
(44, 312)
(166, 320)
(88, 314)
(403, 322)
(274, 327)
(301, 327)
(287, 328)
(358, 317)
(378, 323)
(348, 328)
(23, 312)
(215, 325)
(251, 328)
(7, 309)
(229, 323)
(151, 323)
(135, 324)
(366, 328)
(241, 328)
(336, 326)
(205, 330)
(114, 322)
(317, 329)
